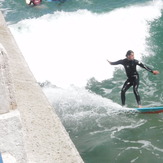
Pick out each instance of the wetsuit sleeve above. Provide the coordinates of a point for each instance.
(117, 62)
(145, 67)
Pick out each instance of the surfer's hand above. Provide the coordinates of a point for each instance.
(155, 72)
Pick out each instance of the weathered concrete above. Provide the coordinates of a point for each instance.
(7, 99)
(45, 140)
(11, 138)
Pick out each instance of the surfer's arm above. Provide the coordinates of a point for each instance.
(116, 63)
(155, 72)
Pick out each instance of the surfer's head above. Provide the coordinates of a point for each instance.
(130, 55)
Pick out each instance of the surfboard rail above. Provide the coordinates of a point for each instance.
(150, 110)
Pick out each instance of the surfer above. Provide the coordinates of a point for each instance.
(130, 64)
(34, 2)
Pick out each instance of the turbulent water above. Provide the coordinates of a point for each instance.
(68, 43)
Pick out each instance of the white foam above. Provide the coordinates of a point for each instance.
(71, 47)
(77, 103)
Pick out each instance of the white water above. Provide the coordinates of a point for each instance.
(77, 106)
(70, 48)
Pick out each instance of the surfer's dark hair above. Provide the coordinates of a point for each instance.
(129, 53)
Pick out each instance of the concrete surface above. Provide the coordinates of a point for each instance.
(11, 138)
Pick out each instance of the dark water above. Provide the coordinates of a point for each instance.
(69, 44)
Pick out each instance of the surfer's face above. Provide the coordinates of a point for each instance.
(131, 56)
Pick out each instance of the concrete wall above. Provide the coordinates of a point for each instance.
(32, 132)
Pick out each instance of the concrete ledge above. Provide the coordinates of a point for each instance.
(44, 138)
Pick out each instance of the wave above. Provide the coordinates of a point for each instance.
(71, 47)
(77, 106)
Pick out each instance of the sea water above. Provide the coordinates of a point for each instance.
(66, 46)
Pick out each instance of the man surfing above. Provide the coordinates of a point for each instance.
(130, 64)
(33, 2)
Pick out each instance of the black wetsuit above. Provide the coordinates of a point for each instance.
(133, 77)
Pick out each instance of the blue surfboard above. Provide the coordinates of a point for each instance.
(150, 109)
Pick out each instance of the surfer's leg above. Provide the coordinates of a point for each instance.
(135, 89)
(125, 87)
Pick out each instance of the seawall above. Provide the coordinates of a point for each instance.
(30, 130)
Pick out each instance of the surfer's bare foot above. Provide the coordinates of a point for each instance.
(139, 106)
